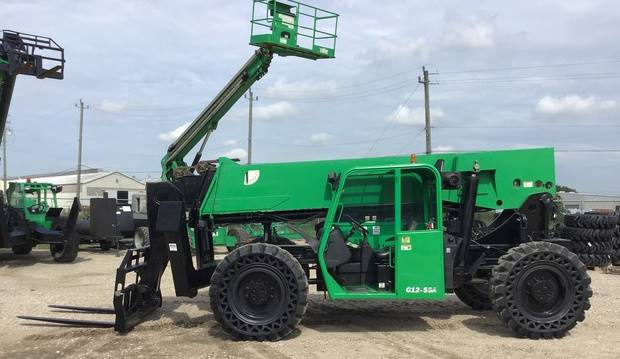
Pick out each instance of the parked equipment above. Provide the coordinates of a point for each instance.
(111, 223)
(28, 220)
(397, 228)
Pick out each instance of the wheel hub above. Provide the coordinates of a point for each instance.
(259, 295)
(258, 292)
(543, 290)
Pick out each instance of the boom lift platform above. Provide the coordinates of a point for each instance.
(399, 227)
(42, 57)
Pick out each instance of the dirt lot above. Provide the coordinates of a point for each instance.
(186, 328)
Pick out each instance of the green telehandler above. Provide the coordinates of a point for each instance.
(388, 228)
(36, 201)
(26, 220)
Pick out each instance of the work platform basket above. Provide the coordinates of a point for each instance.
(290, 28)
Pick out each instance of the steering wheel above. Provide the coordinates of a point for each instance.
(356, 226)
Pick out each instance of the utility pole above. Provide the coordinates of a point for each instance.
(427, 108)
(81, 106)
(251, 99)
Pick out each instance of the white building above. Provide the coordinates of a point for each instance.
(579, 202)
(94, 183)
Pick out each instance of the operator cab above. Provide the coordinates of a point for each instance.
(386, 222)
(37, 201)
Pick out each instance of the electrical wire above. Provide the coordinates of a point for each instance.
(348, 96)
(389, 123)
(333, 144)
(516, 68)
(526, 126)
(591, 76)
(402, 150)
(555, 150)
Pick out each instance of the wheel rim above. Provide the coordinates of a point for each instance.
(258, 316)
(258, 295)
(544, 292)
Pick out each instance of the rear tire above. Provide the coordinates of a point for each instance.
(259, 292)
(540, 290)
(477, 296)
(22, 249)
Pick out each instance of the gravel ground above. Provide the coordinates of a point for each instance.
(344, 329)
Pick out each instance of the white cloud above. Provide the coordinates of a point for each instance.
(389, 49)
(406, 115)
(472, 34)
(174, 134)
(112, 106)
(443, 149)
(321, 138)
(230, 142)
(239, 153)
(295, 89)
(572, 104)
(274, 110)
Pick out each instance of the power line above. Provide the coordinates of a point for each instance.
(356, 84)
(389, 123)
(400, 73)
(412, 140)
(352, 95)
(332, 144)
(593, 76)
(526, 126)
(555, 150)
(516, 68)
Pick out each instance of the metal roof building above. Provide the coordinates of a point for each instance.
(94, 183)
(580, 202)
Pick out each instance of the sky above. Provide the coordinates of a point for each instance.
(509, 74)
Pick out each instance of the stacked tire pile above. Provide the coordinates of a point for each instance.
(615, 256)
(594, 237)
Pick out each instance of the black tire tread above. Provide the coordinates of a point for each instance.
(22, 249)
(283, 256)
(503, 274)
(591, 221)
(586, 235)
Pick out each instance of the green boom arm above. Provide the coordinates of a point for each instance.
(207, 121)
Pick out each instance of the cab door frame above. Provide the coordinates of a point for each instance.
(334, 290)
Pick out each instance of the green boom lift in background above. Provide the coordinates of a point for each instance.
(398, 228)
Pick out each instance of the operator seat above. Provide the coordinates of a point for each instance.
(337, 251)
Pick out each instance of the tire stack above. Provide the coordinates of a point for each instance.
(593, 236)
(615, 256)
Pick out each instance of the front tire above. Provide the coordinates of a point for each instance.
(259, 292)
(540, 290)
